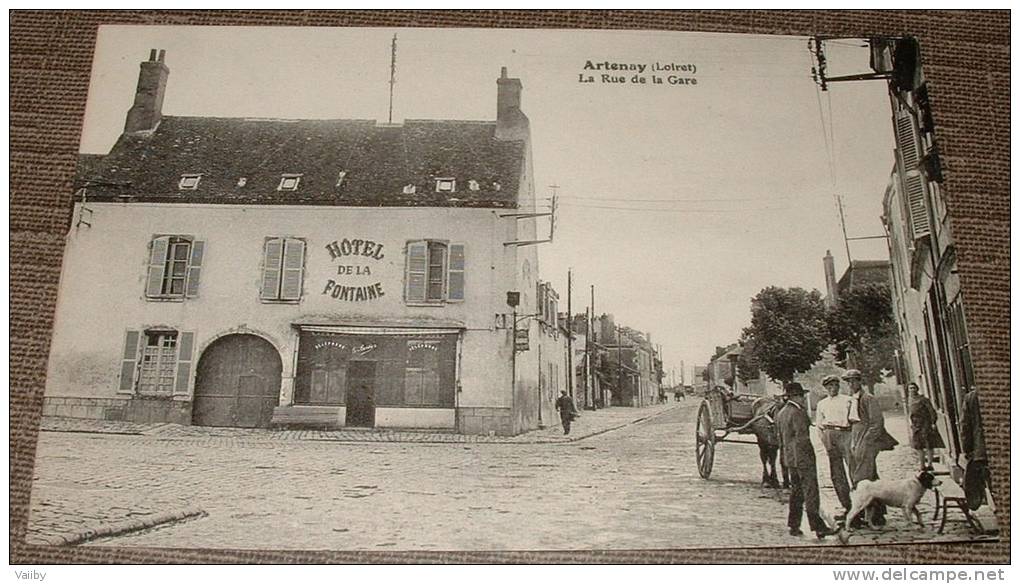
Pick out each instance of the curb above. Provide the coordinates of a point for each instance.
(121, 527)
(157, 433)
(605, 430)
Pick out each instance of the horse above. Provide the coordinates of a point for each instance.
(763, 426)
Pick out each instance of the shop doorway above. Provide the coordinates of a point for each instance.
(237, 383)
(361, 394)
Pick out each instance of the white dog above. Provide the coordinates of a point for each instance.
(904, 494)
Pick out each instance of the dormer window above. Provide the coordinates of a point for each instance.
(496, 186)
(410, 189)
(289, 182)
(473, 185)
(446, 185)
(189, 182)
(242, 181)
(340, 177)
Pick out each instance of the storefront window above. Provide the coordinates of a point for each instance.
(386, 370)
(421, 377)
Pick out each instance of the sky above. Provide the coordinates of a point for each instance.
(678, 202)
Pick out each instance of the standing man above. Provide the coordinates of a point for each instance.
(565, 405)
(795, 432)
(867, 437)
(832, 417)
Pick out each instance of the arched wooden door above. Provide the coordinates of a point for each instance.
(237, 383)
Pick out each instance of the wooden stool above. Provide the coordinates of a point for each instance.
(949, 495)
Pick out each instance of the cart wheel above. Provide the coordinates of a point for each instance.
(705, 445)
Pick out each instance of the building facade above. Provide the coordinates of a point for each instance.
(930, 308)
(326, 273)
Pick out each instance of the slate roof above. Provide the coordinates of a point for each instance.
(863, 272)
(379, 160)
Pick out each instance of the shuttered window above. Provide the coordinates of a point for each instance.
(283, 267)
(908, 148)
(434, 272)
(175, 267)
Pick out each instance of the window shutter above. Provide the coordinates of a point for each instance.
(271, 269)
(914, 186)
(184, 351)
(417, 264)
(455, 277)
(157, 264)
(540, 301)
(909, 149)
(293, 269)
(907, 139)
(129, 361)
(195, 267)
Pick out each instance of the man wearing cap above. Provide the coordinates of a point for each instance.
(567, 410)
(832, 417)
(867, 437)
(795, 431)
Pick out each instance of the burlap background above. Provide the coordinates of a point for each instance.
(966, 58)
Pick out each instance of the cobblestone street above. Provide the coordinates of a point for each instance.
(633, 487)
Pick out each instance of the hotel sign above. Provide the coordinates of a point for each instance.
(354, 255)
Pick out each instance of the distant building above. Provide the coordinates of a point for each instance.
(858, 273)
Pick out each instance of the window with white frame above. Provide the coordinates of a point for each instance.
(283, 266)
(158, 367)
(189, 182)
(289, 182)
(434, 272)
(175, 264)
(446, 185)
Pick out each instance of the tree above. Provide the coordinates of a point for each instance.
(788, 331)
(748, 368)
(863, 331)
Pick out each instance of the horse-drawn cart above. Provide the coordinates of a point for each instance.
(722, 413)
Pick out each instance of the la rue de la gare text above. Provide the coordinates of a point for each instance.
(610, 72)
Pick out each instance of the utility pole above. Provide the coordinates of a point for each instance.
(842, 223)
(393, 75)
(570, 334)
(589, 389)
(619, 362)
(592, 339)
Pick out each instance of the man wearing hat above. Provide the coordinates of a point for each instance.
(832, 417)
(567, 410)
(867, 437)
(794, 429)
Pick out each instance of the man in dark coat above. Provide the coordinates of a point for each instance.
(568, 412)
(868, 437)
(795, 432)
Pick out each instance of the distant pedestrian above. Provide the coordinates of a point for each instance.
(924, 435)
(568, 412)
(795, 431)
(832, 417)
(676, 395)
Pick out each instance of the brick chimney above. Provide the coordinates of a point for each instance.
(511, 123)
(145, 114)
(831, 293)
